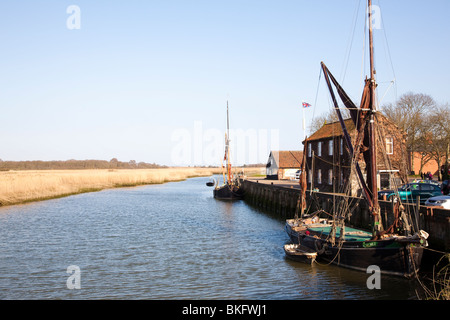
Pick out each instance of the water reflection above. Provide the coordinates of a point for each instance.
(171, 241)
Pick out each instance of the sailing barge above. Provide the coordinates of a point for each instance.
(398, 249)
(231, 189)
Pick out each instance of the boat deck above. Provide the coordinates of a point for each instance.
(351, 234)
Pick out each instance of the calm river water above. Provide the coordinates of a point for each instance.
(170, 241)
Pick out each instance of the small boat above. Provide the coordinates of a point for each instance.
(231, 189)
(296, 227)
(211, 183)
(300, 253)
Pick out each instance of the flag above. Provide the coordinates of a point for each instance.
(305, 105)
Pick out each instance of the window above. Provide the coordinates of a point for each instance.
(330, 177)
(309, 149)
(426, 187)
(390, 145)
(310, 176)
(342, 146)
(319, 148)
(330, 147)
(319, 176)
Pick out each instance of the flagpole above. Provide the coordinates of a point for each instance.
(304, 125)
(304, 106)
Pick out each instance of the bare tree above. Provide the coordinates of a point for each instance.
(438, 136)
(410, 113)
(319, 121)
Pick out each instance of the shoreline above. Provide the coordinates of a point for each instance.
(22, 187)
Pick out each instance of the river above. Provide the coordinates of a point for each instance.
(170, 241)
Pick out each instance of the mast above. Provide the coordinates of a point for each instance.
(372, 66)
(228, 122)
(301, 202)
(372, 134)
(227, 148)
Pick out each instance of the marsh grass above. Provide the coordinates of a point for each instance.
(438, 287)
(18, 187)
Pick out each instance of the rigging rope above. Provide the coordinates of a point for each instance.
(349, 46)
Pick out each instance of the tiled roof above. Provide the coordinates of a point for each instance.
(288, 159)
(332, 130)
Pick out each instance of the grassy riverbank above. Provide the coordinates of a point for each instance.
(18, 187)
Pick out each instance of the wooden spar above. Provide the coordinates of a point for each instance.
(301, 201)
(366, 190)
(370, 188)
(372, 134)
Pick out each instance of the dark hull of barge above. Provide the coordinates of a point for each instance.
(227, 192)
(392, 256)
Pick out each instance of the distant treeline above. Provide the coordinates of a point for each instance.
(255, 165)
(75, 164)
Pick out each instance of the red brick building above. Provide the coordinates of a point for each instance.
(424, 164)
(329, 162)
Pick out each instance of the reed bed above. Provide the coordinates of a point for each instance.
(26, 186)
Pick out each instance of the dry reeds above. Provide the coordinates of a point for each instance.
(438, 287)
(26, 186)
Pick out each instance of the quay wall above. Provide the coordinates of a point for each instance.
(281, 201)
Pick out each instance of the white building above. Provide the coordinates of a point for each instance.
(283, 164)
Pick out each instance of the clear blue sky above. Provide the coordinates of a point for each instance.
(139, 73)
